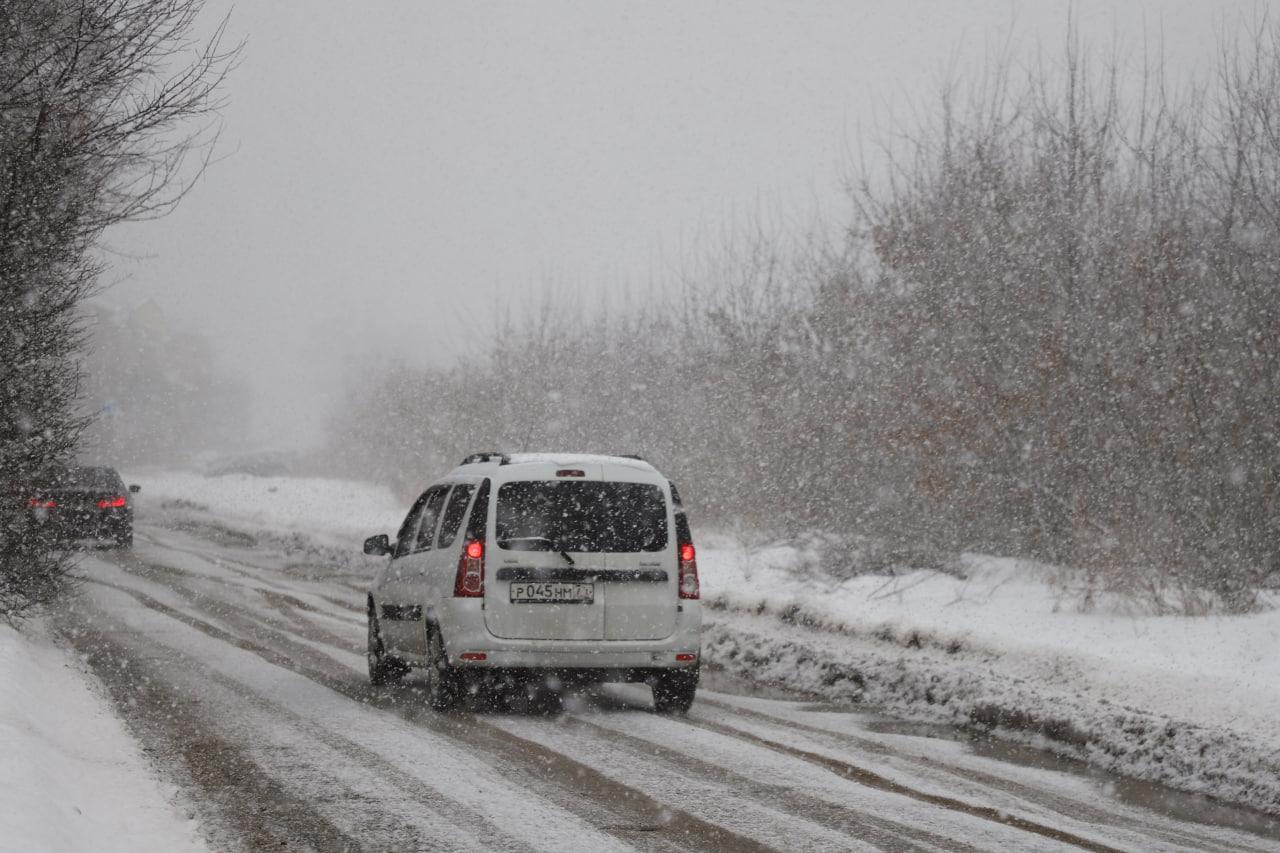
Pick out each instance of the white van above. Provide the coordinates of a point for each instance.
(543, 566)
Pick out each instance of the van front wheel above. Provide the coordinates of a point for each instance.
(673, 692)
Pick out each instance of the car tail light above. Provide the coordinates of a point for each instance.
(473, 656)
(469, 582)
(41, 503)
(688, 571)
(111, 502)
(571, 472)
(685, 657)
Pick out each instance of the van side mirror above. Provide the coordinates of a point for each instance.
(134, 488)
(378, 546)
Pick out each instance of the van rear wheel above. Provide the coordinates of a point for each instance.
(673, 692)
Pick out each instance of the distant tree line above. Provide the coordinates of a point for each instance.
(156, 389)
(1052, 330)
(96, 100)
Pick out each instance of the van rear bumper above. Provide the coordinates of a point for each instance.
(464, 633)
(604, 660)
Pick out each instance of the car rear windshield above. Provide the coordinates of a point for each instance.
(581, 516)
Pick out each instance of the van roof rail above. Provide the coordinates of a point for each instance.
(487, 456)
(634, 456)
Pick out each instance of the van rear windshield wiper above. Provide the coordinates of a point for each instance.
(551, 546)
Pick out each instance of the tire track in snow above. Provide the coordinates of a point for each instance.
(798, 820)
(616, 808)
(872, 779)
(271, 785)
(886, 831)
(1044, 800)
(813, 807)
(251, 574)
(466, 786)
(212, 598)
(281, 636)
(880, 830)
(1072, 808)
(297, 625)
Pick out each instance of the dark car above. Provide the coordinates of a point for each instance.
(83, 502)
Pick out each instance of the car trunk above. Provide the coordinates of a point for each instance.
(74, 511)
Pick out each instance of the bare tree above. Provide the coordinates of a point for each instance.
(102, 104)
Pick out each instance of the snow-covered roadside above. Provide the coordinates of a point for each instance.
(71, 777)
(1068, 715)
(328, 519)
(1190, 702)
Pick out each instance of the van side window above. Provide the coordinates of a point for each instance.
(430, 515)
(478, 523)
(453, 514)
(409, 528)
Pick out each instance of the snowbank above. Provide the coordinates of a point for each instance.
(71, 778)
(1205, 670)
(1192, 702)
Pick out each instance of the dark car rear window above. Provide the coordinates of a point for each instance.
(581, 516)
(83, 478)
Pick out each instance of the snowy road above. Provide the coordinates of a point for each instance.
(243, 675)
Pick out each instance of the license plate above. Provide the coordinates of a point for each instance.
(552, 592)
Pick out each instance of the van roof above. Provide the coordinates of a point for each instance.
(482, 461)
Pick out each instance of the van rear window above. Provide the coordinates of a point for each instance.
(581, 516)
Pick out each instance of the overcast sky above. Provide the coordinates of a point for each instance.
(393, 173)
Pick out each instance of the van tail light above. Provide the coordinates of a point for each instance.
(688, 571)
(112, 502)
(469, 582)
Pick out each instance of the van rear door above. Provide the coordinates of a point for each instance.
(582, 557)
(544, 583)
(640, 564)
